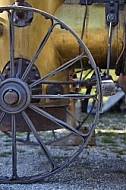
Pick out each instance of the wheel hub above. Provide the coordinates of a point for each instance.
(15, 96)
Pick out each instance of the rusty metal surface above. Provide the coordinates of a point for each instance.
(40, 122)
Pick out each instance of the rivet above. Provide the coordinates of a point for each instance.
(33, 68)
(7, 68)
(36, 76)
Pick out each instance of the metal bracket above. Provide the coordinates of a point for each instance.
(111, 11)
(22, 18)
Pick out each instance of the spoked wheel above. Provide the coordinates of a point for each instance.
(35, 101)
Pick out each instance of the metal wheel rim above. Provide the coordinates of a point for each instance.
(15, 178)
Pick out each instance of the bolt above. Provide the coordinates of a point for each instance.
(111, 17)
(36, 76)
(11, 97)
(33, 68)
(8, 68)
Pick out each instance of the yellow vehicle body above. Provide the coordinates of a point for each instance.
(95, 35)
(61, 46)
(96, 31)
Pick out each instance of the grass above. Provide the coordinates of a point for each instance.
(21, 151)
(68, 148)
(8, 140)
(40, 152)
(120, 151)
(5, 154)
(58, 157)
(106, 139)
(86, 165)
(124, 139)
(2, 134)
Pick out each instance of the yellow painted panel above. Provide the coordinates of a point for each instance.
(96, 31)
(28, 38)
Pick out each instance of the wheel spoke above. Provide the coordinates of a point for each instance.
(20, 65)
(61, 68)
(11, 35)
(1, 76)
(43, 42)
(42, 145)
(14, 148)
(2, 115)
(65, 96)
(57, 121)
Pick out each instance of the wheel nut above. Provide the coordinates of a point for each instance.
(10, 97)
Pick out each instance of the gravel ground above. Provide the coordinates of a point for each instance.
(100, 167)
